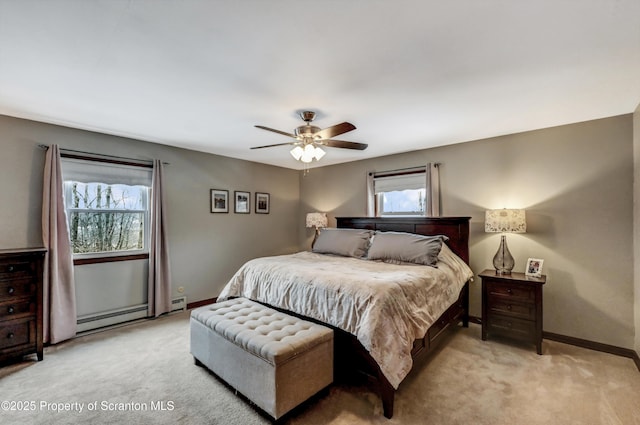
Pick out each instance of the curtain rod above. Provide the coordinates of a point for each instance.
(98, 155)
(399, 171)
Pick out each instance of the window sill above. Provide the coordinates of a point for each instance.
(109, 259)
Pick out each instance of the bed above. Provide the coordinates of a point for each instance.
(386, 309)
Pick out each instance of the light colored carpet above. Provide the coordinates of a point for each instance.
(467, 381)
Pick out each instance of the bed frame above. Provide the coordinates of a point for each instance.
(350, 355)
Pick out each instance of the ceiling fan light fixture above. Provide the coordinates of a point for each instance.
(309, 138)
(309, 153)
(297, 153)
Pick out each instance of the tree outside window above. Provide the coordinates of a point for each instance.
(106, 217)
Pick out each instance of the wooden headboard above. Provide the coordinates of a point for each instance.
(456, 228)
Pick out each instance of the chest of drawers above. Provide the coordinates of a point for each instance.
(512, 306)
(21, 303)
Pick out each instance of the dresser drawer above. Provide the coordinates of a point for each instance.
(17, 289)
(16, 333)
(515, 292)
(16, 268)
(500, 305)
(21, 309)
(14, 309)
(512, 327)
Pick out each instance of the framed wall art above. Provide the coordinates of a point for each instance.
(242, 202)
(262, 203)
(219, 201)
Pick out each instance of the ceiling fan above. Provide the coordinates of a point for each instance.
(309, 138)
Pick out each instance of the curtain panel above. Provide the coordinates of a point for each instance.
(159, 285)
(433, 190)
(59, 298)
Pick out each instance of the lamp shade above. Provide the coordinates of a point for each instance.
(317, 220)
(505, 220)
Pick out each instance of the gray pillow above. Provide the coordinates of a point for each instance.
(398, 247)
(345, 242)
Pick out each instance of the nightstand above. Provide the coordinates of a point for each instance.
(512, 306)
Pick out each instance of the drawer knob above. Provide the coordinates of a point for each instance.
(509, 291)
(12, 290)
(11, 335)
(11, 268)
(509, 307)
(10, 309)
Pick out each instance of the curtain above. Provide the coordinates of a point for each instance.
(59, 298)
(371, 195)
(159, 287)
(433, 190)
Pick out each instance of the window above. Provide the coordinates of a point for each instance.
(408, 192)
(107, 207)
(105, 217)
(400, 193)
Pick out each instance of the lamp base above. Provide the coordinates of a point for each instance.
(315, 237)
(503, 261)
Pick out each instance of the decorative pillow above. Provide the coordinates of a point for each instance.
(345, 242)
(398, 247)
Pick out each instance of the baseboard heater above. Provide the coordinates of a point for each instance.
(109, 318)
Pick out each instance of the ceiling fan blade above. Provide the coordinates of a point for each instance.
(343, 144)
(277, 144)
(335, 130)
(284, 133)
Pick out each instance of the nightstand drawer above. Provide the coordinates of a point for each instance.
(516, 292)
(510, 326)
(18, 332)
(498, 305)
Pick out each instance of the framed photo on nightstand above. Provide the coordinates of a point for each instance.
(534, 267)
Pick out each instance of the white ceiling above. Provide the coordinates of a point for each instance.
(409, 74)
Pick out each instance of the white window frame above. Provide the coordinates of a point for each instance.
(109, 172)
(383, 182)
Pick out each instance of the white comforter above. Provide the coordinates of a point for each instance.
(386, 306)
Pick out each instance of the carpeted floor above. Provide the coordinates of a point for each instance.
(143, 374)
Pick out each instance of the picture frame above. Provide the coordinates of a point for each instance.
(219, 201)
(534, 267)
(262, 203)
(242, 202)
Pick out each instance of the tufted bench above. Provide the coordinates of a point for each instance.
(275, 360)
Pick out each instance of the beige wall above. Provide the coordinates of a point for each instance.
(576, 183)
(206, 249)
(636, 226)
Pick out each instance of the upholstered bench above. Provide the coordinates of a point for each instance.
(275, 360)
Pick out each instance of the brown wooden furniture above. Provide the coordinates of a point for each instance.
(21, 303)
(512, 306)
(350, 355)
